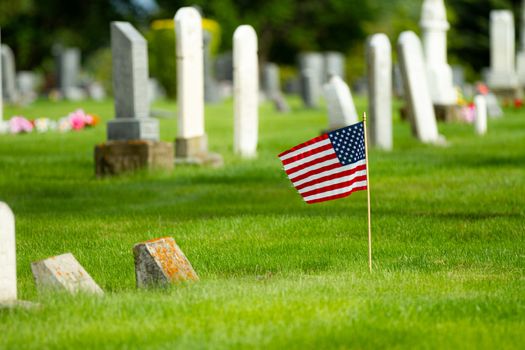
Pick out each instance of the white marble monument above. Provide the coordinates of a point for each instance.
(8, 291)
(417, 94)
(245, 91)
(340, 104)
(379, 57)
(502, 77)
(311, 69)
(434, 28)
(191, 145)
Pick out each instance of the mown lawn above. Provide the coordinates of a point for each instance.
(448, 227)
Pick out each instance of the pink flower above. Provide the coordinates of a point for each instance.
(19, 124)
(78, 119)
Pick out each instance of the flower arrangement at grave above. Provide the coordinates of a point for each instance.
(76, 121)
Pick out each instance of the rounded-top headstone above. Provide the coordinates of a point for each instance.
(7, 254)
(434, 15)
(245, 35)
(188, 25)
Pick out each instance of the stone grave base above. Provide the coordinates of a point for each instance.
(448, 113)
(194, 151)
(116, 157)
(18, 304)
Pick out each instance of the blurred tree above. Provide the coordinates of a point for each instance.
(31, 27)
(286, 26)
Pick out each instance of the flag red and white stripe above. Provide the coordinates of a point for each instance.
(328, 167)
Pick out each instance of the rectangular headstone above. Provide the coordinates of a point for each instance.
(190, 71)
(130, 86)
(334, 65)
(417, 95)
(161, 262)
(341, 108)
(502, 73)
(8, 292)
(379, 56)
(63, 273)
(211, 89)
(311, 69)
(246, 91)
(8, 75)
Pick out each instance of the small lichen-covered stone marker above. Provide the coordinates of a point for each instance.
(379, 57)
(191, 143)
(161, 262)
(8, 293)
(63, 273)
(133, 137)
(246, 91)
(417, 94)
(341, 108)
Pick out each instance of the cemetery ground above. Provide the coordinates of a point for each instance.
(448, 231)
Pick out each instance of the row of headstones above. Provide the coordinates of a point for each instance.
(158, 262)
(342, 112)
(132, 121)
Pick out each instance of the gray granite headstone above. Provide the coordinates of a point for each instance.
(68, 61)
(63, 273)
(458, 76)
(224, 67)
(272, 87)
(9, 91)
(130, 86)
(27, 83)
(211, 90)
(311, 68)
(334, 65)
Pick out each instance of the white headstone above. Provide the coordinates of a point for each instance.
(246, 91)
(380, 91)
(480, 122)
(190, 73)
(434, 26)
(7, 255)
(502, 74)
(341, 108)
(417, 94)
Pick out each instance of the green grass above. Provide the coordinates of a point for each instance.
(448, 226)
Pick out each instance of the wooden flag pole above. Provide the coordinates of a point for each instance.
(368, 195)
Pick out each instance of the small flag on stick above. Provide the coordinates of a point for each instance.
(329, 166)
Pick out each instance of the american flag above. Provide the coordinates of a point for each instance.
(329, 166)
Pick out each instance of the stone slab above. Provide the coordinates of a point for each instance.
(63, 273)
(194, 151)
(160, 262)
(115, 157)
(121, 129)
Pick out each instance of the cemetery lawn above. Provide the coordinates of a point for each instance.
(448, 227)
